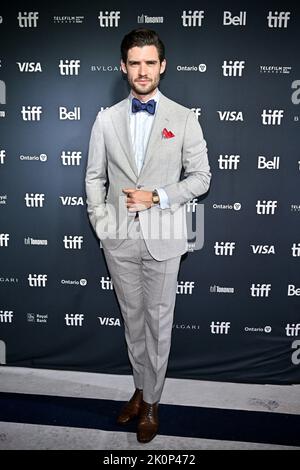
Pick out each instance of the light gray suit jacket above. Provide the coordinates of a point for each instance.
(111, 167)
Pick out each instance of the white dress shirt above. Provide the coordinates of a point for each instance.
(140, 128)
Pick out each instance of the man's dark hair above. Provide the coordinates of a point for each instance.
(139, 38)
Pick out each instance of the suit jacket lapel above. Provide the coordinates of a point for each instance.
(161, 120)
(120, 121)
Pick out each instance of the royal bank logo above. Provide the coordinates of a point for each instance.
(31, 113)
(264, 164)
(191, 19)
(185, 287)
(37, 318)
(237, 20)
(109, 19)
(73, 242)
(3, 199)
(34, 199)
(74, 319)
(266, 207)
(278, 19)
(109, 321)
(260, 290)
(106, 283)
(272, 117)
(71, 158)
(28, 19)
(4, 239)
(220, 327)
(29, 67)
(149, 19)
(233, 68)
(295, 208)
(229, 162)
(69, 66)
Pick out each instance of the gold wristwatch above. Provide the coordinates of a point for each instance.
(155, 197)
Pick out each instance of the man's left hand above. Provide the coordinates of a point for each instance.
(138, 200)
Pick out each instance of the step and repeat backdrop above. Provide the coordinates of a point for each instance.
(236, 64)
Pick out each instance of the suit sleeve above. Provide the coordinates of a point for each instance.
(96, 174)
(195, 163)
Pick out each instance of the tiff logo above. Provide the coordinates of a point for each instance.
(278, 19)
(185, 287)
(69, 67)
(37, 280)
(220, 328)
(28, 19)
(34, 200)
(295, 249)
(2, 92)
(192, 18)
(74, 319)
(272, 117)
(109, 19)
(260, 290)
(191, 206)
(106, 283)
(266, 207)
(292, 329)
(229, 162)
(6, 316)
(234, 68)
(31, 113)
(224, 248)
(71, 158)
(73, 242)
(2, 156)
(4, 239)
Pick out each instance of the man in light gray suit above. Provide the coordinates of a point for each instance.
(136, 195)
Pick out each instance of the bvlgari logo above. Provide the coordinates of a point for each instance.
(105, 68)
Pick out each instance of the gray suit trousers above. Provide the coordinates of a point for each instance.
(146, 291)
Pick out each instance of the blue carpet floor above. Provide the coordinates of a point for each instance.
(185, 421)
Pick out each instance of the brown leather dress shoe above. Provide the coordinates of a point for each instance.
(148, 422)
(132, 408)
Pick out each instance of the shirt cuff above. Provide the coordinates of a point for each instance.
(163, 199)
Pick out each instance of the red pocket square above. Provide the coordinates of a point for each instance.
(167, 134)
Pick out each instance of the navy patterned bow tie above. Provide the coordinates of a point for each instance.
(137, 106)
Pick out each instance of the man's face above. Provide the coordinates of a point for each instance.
(143, 69)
